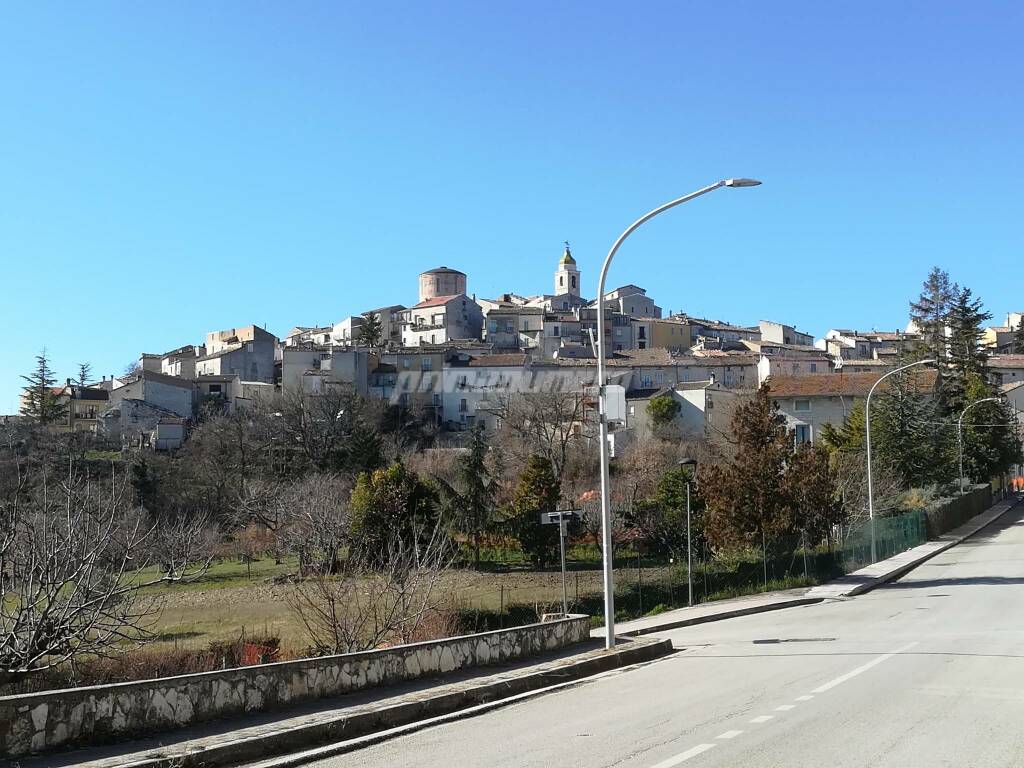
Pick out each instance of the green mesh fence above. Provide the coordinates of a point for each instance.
(892, 535)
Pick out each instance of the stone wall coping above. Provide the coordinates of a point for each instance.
(29, 699)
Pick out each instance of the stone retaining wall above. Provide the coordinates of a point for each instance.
(52, 720)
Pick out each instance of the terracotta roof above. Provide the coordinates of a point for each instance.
(437, 301)
(1006, 361)
(834, 384)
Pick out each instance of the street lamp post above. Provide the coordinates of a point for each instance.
(606, 514)
(689, 541)
(867, 434)
(960, 435)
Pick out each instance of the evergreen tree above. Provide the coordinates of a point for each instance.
(910, 431)
(537, 491)
(989, 447)
(363, 449)
(84, 374)
(40, 402)
(388, 504)
(1017, 345)
(930, 312)
(967, 355)
(371, 331)
(475, 498)
(661, 518)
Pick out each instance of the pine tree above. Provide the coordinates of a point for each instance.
(989, 448)
(84, 374)
(536, 492)
(475, 498)
(40, 402)
(910, 433)
(967, 355)
(1017, 345)
(930, 312)
(371, 331)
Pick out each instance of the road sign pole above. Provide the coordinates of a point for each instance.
(561, 546)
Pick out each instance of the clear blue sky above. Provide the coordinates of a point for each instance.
(168, 169)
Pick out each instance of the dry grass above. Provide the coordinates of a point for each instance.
(194, 616)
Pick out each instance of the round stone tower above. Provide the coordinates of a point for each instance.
(441, 282)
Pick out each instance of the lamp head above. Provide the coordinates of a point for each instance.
(742, 182)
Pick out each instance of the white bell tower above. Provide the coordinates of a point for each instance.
(567, 276)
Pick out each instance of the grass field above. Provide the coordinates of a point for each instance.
(228, 601)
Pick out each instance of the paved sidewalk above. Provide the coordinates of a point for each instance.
(347, 722)
(855, 583)
(866, 579)
(716, 610)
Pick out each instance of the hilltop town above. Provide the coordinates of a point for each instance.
(451, 354)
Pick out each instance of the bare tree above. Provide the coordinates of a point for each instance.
(362, 608)
(316, 521)
(542, 423)
(73, 556)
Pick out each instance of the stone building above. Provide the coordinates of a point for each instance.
(442, 281)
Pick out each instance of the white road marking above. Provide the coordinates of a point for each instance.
(785, 707)
(762, 718)
(804, 698)
(729, 735)
(861, 669)
(683, 756)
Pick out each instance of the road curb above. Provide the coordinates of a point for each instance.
(731, 614)
(876, 581)
(903, 570)
(371, 725)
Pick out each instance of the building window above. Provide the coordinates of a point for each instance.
(802, 405)
(814, 367)
(803, 433)
(642, 345)
(426, 363)
(642, 332)
(574, 281)
(463, 406)
(555, 331)
(561, 280)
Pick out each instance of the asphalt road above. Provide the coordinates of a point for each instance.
(928, 671)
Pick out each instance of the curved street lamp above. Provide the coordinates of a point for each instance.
(960, 434)
(606, 515)
(867, 433)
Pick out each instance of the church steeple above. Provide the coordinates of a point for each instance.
(567, 276)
